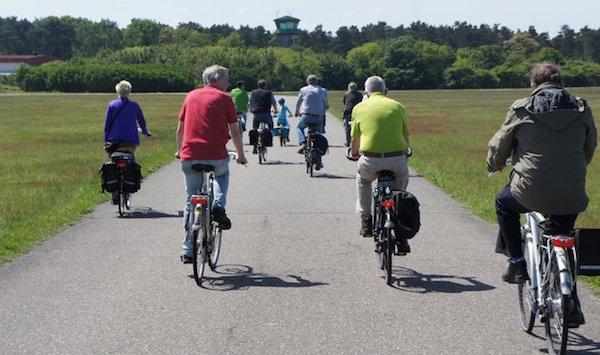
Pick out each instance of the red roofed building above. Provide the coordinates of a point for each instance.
(9, 63)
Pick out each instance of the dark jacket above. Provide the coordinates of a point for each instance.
(261, 101)
(351, 99)
(552, 137)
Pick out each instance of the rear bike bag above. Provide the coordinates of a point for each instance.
(587, 244)
(408, 215)
(253, 136)
(132, 179)
(267, 138)
(109, 179)
(321, 144)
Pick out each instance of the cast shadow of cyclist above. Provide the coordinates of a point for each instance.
(148, 212)
(242, 277)
(411, 281)
(282, 162)
(579, 344)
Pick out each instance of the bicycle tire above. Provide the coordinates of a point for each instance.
(388, 253)
(527, 300)
(216, 248)
(376, 230)
(121, 199)
(199, 249)
(557, 331)
(128, 200)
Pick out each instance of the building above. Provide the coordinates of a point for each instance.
(9, 63)
(287, 31)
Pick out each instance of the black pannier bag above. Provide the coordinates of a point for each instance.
(587, 243)
(321, 144)
(109, 178)
(133, 178)
(408, 219)
(267, 138)
(253, 135)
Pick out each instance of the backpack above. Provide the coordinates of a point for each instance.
(408, 219)
(108, 177)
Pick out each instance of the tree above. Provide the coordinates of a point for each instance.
(345, 39)
(52, 36)
(522, 43)
(142, 32)
(14, 36)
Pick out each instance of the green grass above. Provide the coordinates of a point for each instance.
(51, 148)
(450, 130)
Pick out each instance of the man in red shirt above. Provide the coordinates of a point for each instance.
(206, 118)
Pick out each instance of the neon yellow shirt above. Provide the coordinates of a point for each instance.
(381, 124)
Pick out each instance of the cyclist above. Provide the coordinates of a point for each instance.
(282, 121)
(121, 125)
(351, 98)
(380, 136)
(261, 102)
(552, 137)
(240, 99)
(311, 106)
(206, 117)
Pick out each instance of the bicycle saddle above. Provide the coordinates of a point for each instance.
(203, 167)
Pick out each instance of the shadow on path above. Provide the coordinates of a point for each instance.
(148, 212)
(412, 281)
(242, 277)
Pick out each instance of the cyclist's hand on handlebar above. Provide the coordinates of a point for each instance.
(241, 160)
(349, 155)
(177, 155)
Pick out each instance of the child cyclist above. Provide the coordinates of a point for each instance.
(282, 122)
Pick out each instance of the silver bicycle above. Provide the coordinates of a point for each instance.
(548, 294)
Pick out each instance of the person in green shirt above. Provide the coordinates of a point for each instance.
(240, 100)
(379, 130)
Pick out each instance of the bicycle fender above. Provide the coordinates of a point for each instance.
(563, 271)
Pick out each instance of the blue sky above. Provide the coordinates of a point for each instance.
(332, 14)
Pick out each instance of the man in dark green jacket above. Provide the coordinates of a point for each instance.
(552, 137)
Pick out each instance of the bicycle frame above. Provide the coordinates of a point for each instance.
(260, 145)
(384, 208)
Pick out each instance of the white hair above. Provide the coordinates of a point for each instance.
(123, 88)
(214, 73)
(375, 84)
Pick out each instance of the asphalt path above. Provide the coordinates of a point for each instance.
(294, 277)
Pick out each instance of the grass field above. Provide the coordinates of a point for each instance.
(51, 148)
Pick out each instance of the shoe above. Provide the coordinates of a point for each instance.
(114, 202)
(346, 145)
(516, 273)
(302, 149)
(402, 247)
(254, 151)
(221, 218)
(366, 229)
(575, 317)
(318, 166)
(186, 259)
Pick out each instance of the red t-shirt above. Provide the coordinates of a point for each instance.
(205, 115)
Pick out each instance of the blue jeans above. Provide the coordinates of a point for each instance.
(262, 117)
(193, 183)
(313, 121)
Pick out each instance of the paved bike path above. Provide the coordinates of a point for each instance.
(294, 276)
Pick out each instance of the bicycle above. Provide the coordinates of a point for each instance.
(310, 153)
(384, 212)
(204, 232)
(282, 131)
(122, 161)
(241, 125)
(260, 144)
(551, 263)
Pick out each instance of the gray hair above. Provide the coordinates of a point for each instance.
(213, 73)
(352, 86)
(123, 88)
(375, 84)
(311, 79)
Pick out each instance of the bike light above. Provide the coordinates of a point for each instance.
(195, 200)
(122, 164)
(388, 203)
(563, 243)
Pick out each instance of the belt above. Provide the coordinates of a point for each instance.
(311, 114)
(384, 155)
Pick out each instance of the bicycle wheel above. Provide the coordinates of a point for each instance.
(199, 248)
(128, 200)
(215, 248)
(557, 331)
(121, 200)
(388, 252)
(527, 301)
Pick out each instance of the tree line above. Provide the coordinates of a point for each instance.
(419, 56)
